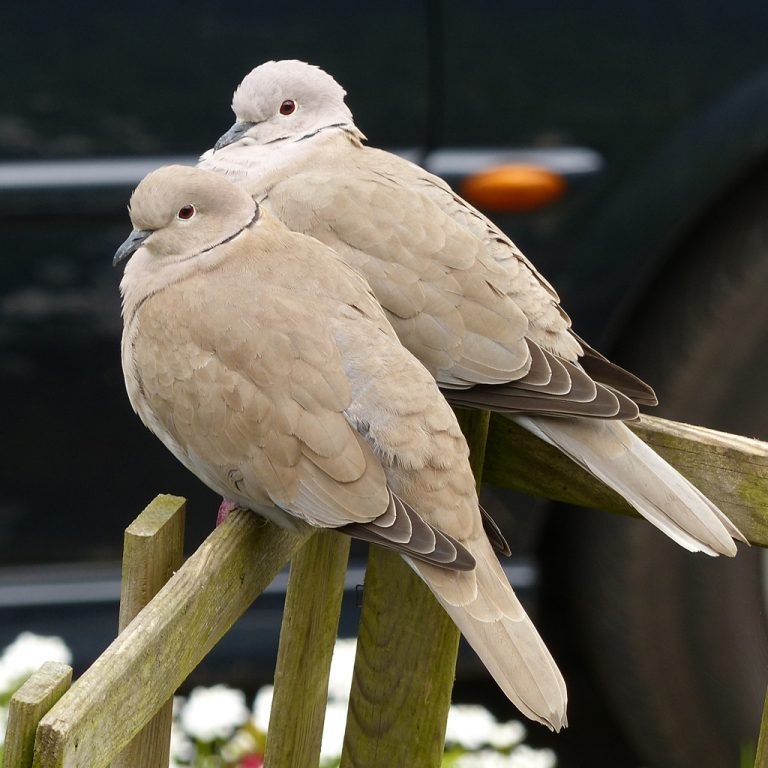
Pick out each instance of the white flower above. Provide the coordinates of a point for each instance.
(213, 713)
(333, 730)
(262, 706)
(527, 757)
(182, 749)
(472, 726)
(26, 654)
(469, 725)
(522, 757)
(178, 703)
(504, 735)
(3, 724)
(342, 666)
(241, 744)
(487, 758)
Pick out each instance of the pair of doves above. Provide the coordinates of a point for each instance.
(293, 308)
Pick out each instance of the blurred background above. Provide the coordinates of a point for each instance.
(623, 145)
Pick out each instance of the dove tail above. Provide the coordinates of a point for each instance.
(485, 609)
(614, 454)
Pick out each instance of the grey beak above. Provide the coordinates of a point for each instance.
(235, 133)
(133, 242)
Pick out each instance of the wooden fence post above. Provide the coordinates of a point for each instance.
(28, 706)
(406, 656)
(404, 670)
(307, 637)
(153, 550)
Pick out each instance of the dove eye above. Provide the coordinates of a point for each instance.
(186, 212)
(288, 107)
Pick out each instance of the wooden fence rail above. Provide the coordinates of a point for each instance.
(134, 678)
(141, 669)
(730, 469)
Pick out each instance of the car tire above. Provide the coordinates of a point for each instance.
(679, 641)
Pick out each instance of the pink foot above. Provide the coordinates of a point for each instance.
(225, 508)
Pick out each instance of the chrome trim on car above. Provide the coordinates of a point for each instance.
(566, 161)
(80, 583)
(77, 174)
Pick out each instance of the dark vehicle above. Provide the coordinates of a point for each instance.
(655, 114)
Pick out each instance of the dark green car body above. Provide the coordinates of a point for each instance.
(655, 113)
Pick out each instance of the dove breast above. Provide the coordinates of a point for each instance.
(275, 376)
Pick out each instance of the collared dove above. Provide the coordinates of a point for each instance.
(458, 292)
(266, 366)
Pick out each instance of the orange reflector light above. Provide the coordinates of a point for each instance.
(513, 188)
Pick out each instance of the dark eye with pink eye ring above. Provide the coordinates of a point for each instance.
(288, 107)
(186, 212)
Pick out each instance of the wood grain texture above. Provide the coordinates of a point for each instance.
(731, 470)
(129, 682)
(404, 671)
(153, 550)
(27, 707)
(307, 637)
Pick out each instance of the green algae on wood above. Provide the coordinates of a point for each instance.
(27, 707)
(131, 680)
(404, 671)
(730, 469)
(153, 550)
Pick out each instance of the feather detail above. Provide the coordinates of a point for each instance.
(489, 615)
(615, 455)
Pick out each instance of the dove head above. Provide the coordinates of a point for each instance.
(286, 100)
(179, 212)
(180, 215)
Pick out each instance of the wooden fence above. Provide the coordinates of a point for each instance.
(172, 614)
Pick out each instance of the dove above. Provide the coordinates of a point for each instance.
(264, 363)
(457, 291)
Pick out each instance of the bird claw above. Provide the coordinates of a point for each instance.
(225, 508)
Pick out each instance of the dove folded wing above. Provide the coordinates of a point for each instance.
(457, 291)
(603, 370)
(446, 301)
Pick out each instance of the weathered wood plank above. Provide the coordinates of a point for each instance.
(731, 470)
(131, 680)
(307, 637)
(406, 655)
(27, 707)
(157, 651)
(153, 549)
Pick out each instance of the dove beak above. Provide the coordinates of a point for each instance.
(133, 242)
(235, 133)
